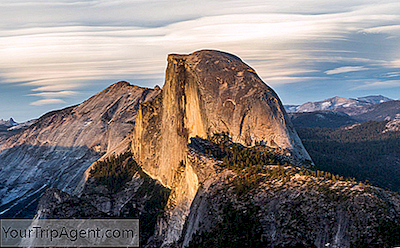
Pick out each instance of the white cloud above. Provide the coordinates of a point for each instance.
(47, 102)
(378, 84)
(60, 46)
(392, 74)
(345, 69)
(395, 63)
(390, 29)
(54, 94)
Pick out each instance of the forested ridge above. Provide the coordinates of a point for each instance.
(363, 151)
(259, 168)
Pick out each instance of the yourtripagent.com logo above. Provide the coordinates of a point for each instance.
(70, 233)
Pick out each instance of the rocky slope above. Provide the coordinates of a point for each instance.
(291, 208)
(57, 149)
(140, 197)
(392, 126)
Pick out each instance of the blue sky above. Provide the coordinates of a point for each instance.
(58, 53)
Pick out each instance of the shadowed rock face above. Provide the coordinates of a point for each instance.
(206, 92)
(57, 149)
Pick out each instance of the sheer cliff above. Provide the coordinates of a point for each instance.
(206, 92)
(209, 92)
(60, 145)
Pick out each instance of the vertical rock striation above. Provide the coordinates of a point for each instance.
(209, 92)
(205, 92)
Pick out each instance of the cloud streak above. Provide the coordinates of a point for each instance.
(47, 102)
(65, 93)
(371, 84)
(345, 69)
(66, 46)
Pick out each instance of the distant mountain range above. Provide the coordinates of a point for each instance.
(352, 137)
(338, 111)
(337, 103)
(4, 124)
(5, 129)
(374, 99)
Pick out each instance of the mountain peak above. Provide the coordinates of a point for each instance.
(209, 92)
(8, 123)
(204, 54)
(338, 102)
(119, 84)
(338, 98)
(121, 87)
(12, 122)
(373, 99)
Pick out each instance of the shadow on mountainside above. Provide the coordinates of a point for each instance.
(26, 171)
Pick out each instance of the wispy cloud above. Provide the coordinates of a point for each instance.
(68, 44)
(395, 63)
(390, 29)
(345, 69)
(54, 94)
(378, 84)
(47, 102)
(392, 74)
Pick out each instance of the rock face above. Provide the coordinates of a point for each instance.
(204, 93)
(209, 92)
(60, 145)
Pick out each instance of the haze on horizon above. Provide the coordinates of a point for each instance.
(59, 53)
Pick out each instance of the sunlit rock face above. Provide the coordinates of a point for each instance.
(57, 149)
(204, 93)
(209, 92)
